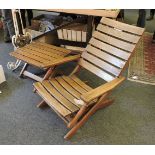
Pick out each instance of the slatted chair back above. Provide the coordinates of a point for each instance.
(110, 48)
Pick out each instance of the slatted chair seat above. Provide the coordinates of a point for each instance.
(107, 55)
(60, 93)
(42, 55)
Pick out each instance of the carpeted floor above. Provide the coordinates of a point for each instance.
(142, 64)
(130, 120)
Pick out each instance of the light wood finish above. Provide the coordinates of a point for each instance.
(106, 56)
(40, 55)
(97, 71)
(112, 13)
(41, 104)
(111, 59)
(99, 91)
(51, 101)
(108, 48)
(74, 32)
(122, 26)
(118, 33)
(32, 76)
(49, 73)
(65, 36)
(86, 117)
(77, 117)
(63, 90)
(81, 83)
(59, 97)
(63, 60)
(44, 56)
(113, 41)
(100, 63)
(74, 48)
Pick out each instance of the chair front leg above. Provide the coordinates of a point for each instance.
(77, 116)
(85, 117)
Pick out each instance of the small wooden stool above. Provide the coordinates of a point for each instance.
(44, 56)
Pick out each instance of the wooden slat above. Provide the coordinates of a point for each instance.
(95, 70)
(63, 60)
(65, 34)
(70, 89)
(31, 56)
(53, 47)
(98, 62)
(74, 84)
(110, 49)
(63, 91)
(122, 26)
(27, 59)
(51, 101)
(103, 89)
(107, 57)
(113, 41)
(32, 76)
(93, 12)
(81, 83)
(119, 34)
(58, 52)
(60, 36)
(51, 54)
(74, 48)
(84, 34)
(79, 36)
(73, 35)
(69, 35)
(59, 97)
(38, 54)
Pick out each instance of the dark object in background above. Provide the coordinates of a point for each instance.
(153, 40)
(152, 11)
(73, 16)
(29, 15)
(8, 25)
(141, 18)
(121, 14)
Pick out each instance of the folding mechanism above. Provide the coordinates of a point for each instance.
(42, 55)
(106, 55)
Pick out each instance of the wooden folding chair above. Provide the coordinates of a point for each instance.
(106, 55)
(44, 56)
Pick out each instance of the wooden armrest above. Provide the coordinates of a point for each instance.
(63, 60)
(99, 91)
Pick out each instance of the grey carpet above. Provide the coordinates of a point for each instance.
(130, 120)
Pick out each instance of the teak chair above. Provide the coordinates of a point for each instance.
(106, 55)
(43, 56)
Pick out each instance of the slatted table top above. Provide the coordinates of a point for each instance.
(40, 54)
(111, 13)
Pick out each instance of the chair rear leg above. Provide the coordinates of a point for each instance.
(105, 104)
